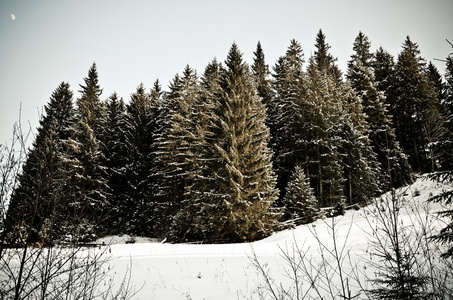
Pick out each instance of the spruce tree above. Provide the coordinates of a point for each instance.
(394, 169)
(324, 61)
(323, 104)
(38, 206)
(156, 91)
(192, 222)
(435, 77)
(115, 153)
(358, 162)
(300, 204)
(413, 99)
(261, 75)
(362, 52)
(179, 154)
(384, 73)
(241, 206)
(447, 111)
(285, 114)
(437, 126)
(396, 253)
(445, 236)
(139, 205)
(89, 195)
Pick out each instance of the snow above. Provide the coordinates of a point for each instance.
(160, 270)
(206, 271)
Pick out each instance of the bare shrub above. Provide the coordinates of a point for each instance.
(29, 270)
(408, 264)
(328, 276)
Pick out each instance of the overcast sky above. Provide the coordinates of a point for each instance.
(43, 42)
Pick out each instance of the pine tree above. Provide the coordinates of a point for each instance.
(88, 198)
(156, 91)
(115, 153)
(179, 154)
(393, 165)
(437, 126)
(300, 204)
(285, 114)
(358, 162)
(323, 105)
(192, 221)
(445, 176)
(361, 53)
(241, 208)
(414, 98)
(38, 203)
(435, 77)
(140, 115)
(384, 73)
(158, 121)
(447, 112)
(261, 73)
(323, 60)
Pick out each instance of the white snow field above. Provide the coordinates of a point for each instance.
(226, 271)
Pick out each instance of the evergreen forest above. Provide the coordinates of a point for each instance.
(236, 152)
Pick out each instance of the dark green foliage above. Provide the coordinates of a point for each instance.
(285, 114)
(300, 204)
(323, 60)
(38, 202)
(323, 111)
(446, 160)
(412, 98)
(445, 236)
(384, 72)
(179, 153)
(261, 73)
(88, 200)
(359, 165)
(436, 124)
(115, 152)
(140, 126)
(218, 159)
(435, 77)
(393, 167)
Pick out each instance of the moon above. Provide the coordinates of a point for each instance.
(13, 17)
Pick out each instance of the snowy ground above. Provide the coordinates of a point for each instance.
(191, 271)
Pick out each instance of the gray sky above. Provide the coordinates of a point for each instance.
(47, 42)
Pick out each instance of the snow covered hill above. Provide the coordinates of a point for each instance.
(228, 271)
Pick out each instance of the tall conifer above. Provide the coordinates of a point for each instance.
(447, 111)
(285, 114)
(179, 153)
(413, 98)
(88, 198)
(242, 204)
(261, 75)
(140, 112)
(38, 203)
(394, 168)
(115, 154)
(324, 98)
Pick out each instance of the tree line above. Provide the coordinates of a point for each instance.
(231, 155)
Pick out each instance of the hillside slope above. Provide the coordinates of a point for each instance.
(228, 271)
